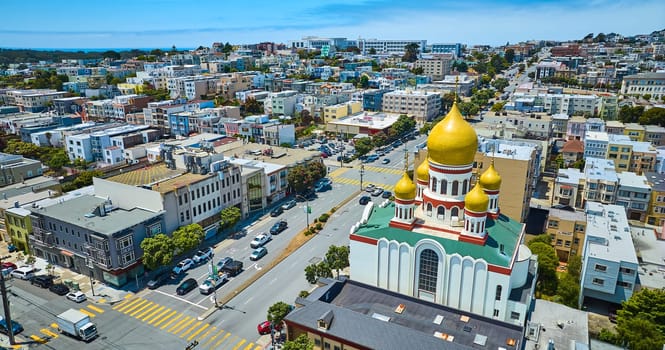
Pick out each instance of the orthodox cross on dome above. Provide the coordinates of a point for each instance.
(406, 159)
(456, 86)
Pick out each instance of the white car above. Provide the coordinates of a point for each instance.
(203, 255)
(77, 296)
(183, 266)
(210, 284)
(260, 240)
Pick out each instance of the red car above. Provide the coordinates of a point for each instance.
(9, 265)
(264, 327)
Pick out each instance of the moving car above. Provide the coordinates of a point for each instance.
(377, 191)
(223, 262)
(43, 281)
(77, 296)
(16, 327)
(364, 200)
(203, 255)
(278, 227)
(258, 253)
(210, 284)
(386, 194)
(276, 212)
(260, 240)
(288, 205)
(183, 266)
(264, 327)
(385, 161)
(158, 280)
(187, 286)
(59, 289)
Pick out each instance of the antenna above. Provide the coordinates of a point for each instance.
(456, 88)
(406, 159)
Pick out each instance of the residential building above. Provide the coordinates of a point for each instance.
(279, 134)
(15, 168)
(614, 127)
(453, 48)
(19, 227)
(548, 69)
(655, 135)
(534, 125)
(573, 151)
(598, 182)
(330, 319)
(281, 103)
(559, 125)
(635, 131)
(571, 330)
(436, 67)
(656, 214)
(568, 187)
(595, 144)
(388, 46)
(566, 228)
(364, 124)
(423, 106)
(634, 195)
(609, 262)
(34, 100)
(373, 100)
(341, 110)
(644, 83)
(576, 128)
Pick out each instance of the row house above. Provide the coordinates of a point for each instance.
(598, 182)
(192, 87)
(156, 114)
(634, 195)
(35, 100)
(281, 103)
(656, 211)
(230, 84)
(125, 104)
(566, 230)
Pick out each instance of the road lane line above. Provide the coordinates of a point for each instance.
(191, 329)
(249, 346)
(172, 320)
(248, 300)
(137, 311)
(94, 308)
(49, 333)
(221, 340)
(207, 333)
(165, 318)
(221, 331)
(239, 344)
(38, 339)
(147, 311)
(189, 322)
(152, 320)
(181, 299)
(87, 312)
(178, 324)
(198, 332)
(134, 306)
(160, 308)
(125, 303)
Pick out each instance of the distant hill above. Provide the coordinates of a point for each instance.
(9, 56)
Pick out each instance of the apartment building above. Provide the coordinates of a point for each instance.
(34, 100)
(572, 151)
(595, 144)
(281, 103)
(576, 128)
(436, 67)
(452, 48)
(341, 110)
(566, 228)
(279, 134)
(634, 194)
(535, 125)
(644, 83)
(656, 211)
(628, 155)
(15, 168)
(559, 125)
(609, 262)
(373, 100)
(192, 87)
(388, 46)
(230, 84)
(423, 106)
(614, 127)
(598, 182)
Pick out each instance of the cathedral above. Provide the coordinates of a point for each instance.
(443, 239)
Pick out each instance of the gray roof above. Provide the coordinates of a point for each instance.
(656, 180)
(366, 316)
(559, 323)
(76, 212)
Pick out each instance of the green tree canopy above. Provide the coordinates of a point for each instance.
(187, 238)
(337, 257)
(628, 114)
(314, 271)
(157, 251)
(547, 265)
(653, 116)
(641, 319)
(568, 290)
(252, 106)
(363, 146)
(410, 52)
(468, 108)
(230, 216)
(500, 83)
(509, 55)
(303, 177)
(402, 125)
(84, 178)
(300, 343)
(364, 82)
(277, 312)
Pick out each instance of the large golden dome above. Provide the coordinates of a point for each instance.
(422, 172)
(405, 189)
(452, 141)
(476, 200)
(490, 179)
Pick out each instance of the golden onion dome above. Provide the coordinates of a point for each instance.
(405, 189)
(422, 172)
(476, 200)
(490, 179)
(452, 141)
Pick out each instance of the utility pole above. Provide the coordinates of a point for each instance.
(362, 172)
(5, 306)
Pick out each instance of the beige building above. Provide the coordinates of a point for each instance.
(436, 67)
(422, 105)
(566, 228)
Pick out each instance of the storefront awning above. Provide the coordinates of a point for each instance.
(66, 252)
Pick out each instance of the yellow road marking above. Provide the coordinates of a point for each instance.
(213, 338)
(49, 332)
(160, 316)
(134, 307)
(87, 312)
(121, 304)
(198, 332)
(222, 340)
(185, 325)
(258, 348)
(190, 329)
(38, 339)
(160, 308)
(94, 308)
(178, 324)
(249, 346)
(120, 307)
(102, 300)
(210, 330)
(172, 320)
(239, 344)
(54, 325)
(129, 295)
(142, 308)
(166, 318)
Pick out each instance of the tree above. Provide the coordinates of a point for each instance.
(410, 52)
(575, 267)
(157, 251)
(653, 116)
(230, 216)
(500, 84)
(85, 178)
(417, 70)
(300, 343)
(460, 66)
(156, 52)
(252, 106)
(547, 264)
(111, 55)
(402, 125)
(337, 257)
(364, 82)
(628, 114)
(363, 146)
(498, 107)
(641, 320)
(568, 290)
(372, 51)
(187, 237)
(58, 160)
(302, 177)
(509, 55)
(278, 311)
(314, 271)
(468, 108)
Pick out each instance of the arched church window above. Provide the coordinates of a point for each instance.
(428, 272)
(465, 183)
(444, 186)
(440, 213)
(498, 292)
(429, 209)
(454, 212)
(434, 182)
(455, 187)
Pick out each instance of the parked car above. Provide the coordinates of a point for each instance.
(258, 253)
(24, 273)
(203, 255)
(12, 248)
(278, 227)
(276, 212)
(322, 187)
(158, 280)
(264, 327)
(187, 286)
(183, 266)
(223, 262)
(377, 191)
(370, 188)
(385, 161)
(8, 265)
(76, 296)
(43, 281)
(288, 205)
(59, 289)
(210, 284)
(233, 268)
(364, 200)
(386, 194)
(260, 240)
(16, 327)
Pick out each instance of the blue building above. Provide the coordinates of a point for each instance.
(609, 266)
(455, 48)
(373, 100)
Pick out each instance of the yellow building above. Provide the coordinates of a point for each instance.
(635, 131)
(620, 153)
(129, 89)
(19, 226)
(567, 229)
(656, 211)
(341, 110)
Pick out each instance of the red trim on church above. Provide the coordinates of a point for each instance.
(403, 202)
(499, 269)
(494, 215)
(474, 214)
(490, 192)
(451, 171)
(448, 204)
(363, 239)
(422, 182)
(402, 225)
(474, 240)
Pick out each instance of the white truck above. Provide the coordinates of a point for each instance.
(76, 324)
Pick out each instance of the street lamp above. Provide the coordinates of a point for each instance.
(306, 208)
(362, 172)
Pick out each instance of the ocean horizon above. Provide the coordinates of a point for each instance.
(98, 49)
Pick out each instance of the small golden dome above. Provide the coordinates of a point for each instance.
(422, 172)
(405, 189)
(452, 141)
(476, 200)
(490, 179)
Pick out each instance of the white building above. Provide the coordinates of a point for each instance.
(422, 105)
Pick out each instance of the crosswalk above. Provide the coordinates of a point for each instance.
(356, 182)
(52, 332)
(182, 325)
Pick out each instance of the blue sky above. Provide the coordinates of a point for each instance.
(162, 23)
